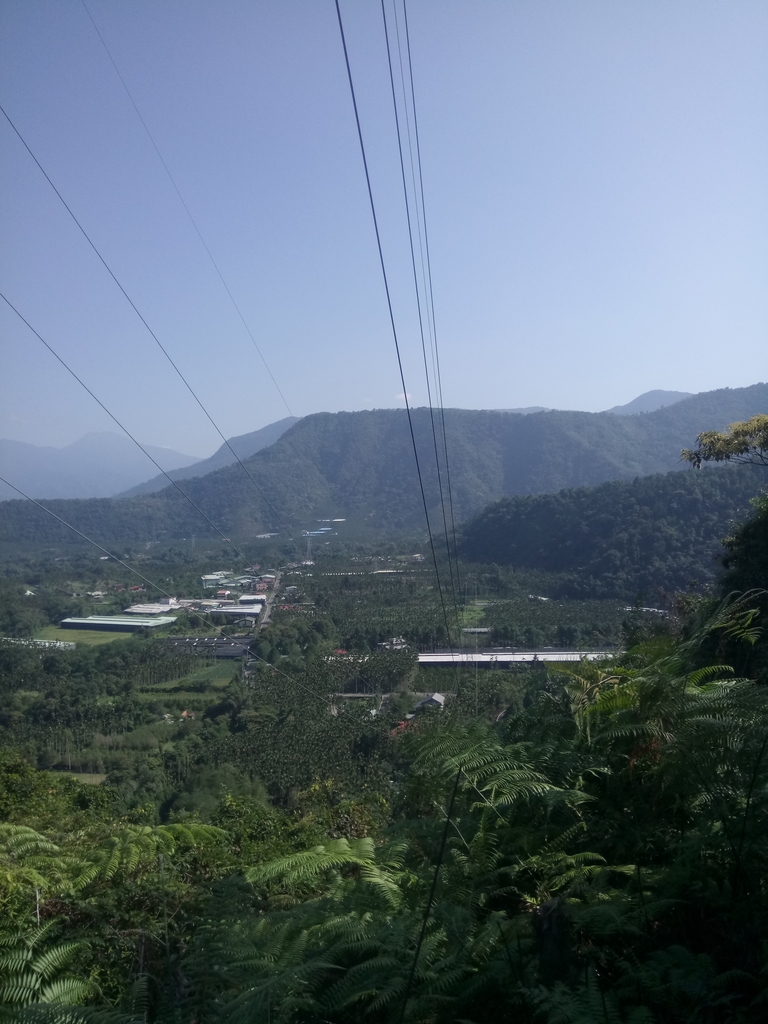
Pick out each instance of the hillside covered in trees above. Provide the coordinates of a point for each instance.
(573, 844)
(623, 539)
(360, 465)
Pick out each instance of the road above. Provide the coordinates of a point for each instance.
(271, 597)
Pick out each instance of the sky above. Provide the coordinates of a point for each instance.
(595, 186)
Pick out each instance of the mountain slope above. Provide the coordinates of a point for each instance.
(97, 465)
(650, 401)
(360, 466)
(622, 539)
(244, 445)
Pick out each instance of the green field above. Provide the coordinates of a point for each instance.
(79, 636)
(88, 778)
(472, 614)
(212, 677)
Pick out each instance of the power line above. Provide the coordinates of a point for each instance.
(123, 428)
(245, 647)
(431, 897)
(186, 208)
(392, 319)
(80, 534)
(418, 296)
(149, 329)
(429, 280)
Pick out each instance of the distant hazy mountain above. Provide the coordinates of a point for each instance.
(360, 466)
(527, 410)
(96, 466)
(244, 446)
(649, 402)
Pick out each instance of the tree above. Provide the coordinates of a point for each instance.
(745, 443)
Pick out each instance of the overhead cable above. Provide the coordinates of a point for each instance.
(453, 582)
(186, 207)
(124, 429)
(430, 289)
(426, 258)
(149, 329)
(431, 898)
(392, 321)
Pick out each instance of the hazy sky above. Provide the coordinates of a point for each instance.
(595, 175)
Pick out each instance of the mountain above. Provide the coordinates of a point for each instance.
(244, 446)
(360, 466)
(650, 401)
(527, 410)
(98, 465)
(654, 534)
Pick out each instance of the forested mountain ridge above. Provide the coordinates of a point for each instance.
(360, 465)
(243, 446)
(621, 539)
(649, 401)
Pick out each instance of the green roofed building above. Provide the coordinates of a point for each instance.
(119, 623)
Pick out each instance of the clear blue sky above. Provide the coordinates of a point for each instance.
(596, 185)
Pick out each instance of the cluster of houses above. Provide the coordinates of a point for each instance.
(239, 598)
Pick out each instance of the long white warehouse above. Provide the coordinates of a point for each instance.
(504, 658)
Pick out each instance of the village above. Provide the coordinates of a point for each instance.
(238, 599)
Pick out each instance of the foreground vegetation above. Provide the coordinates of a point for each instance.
(554, 845)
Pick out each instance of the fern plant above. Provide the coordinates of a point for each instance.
(34, 969)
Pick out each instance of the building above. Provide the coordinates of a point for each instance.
(119, 623)
(213, 646)
(213, 580)
(153, 608)
(395, 643)
(433, 700)
(505, 659)
(237, 611)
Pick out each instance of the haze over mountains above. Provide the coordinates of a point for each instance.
(104, 465)
(110, 465)
(649, 402)
(243, 446)
(97, 465)
(360, 466)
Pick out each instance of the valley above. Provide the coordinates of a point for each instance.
(267, 734)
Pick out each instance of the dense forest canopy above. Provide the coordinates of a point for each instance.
(645, 537)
